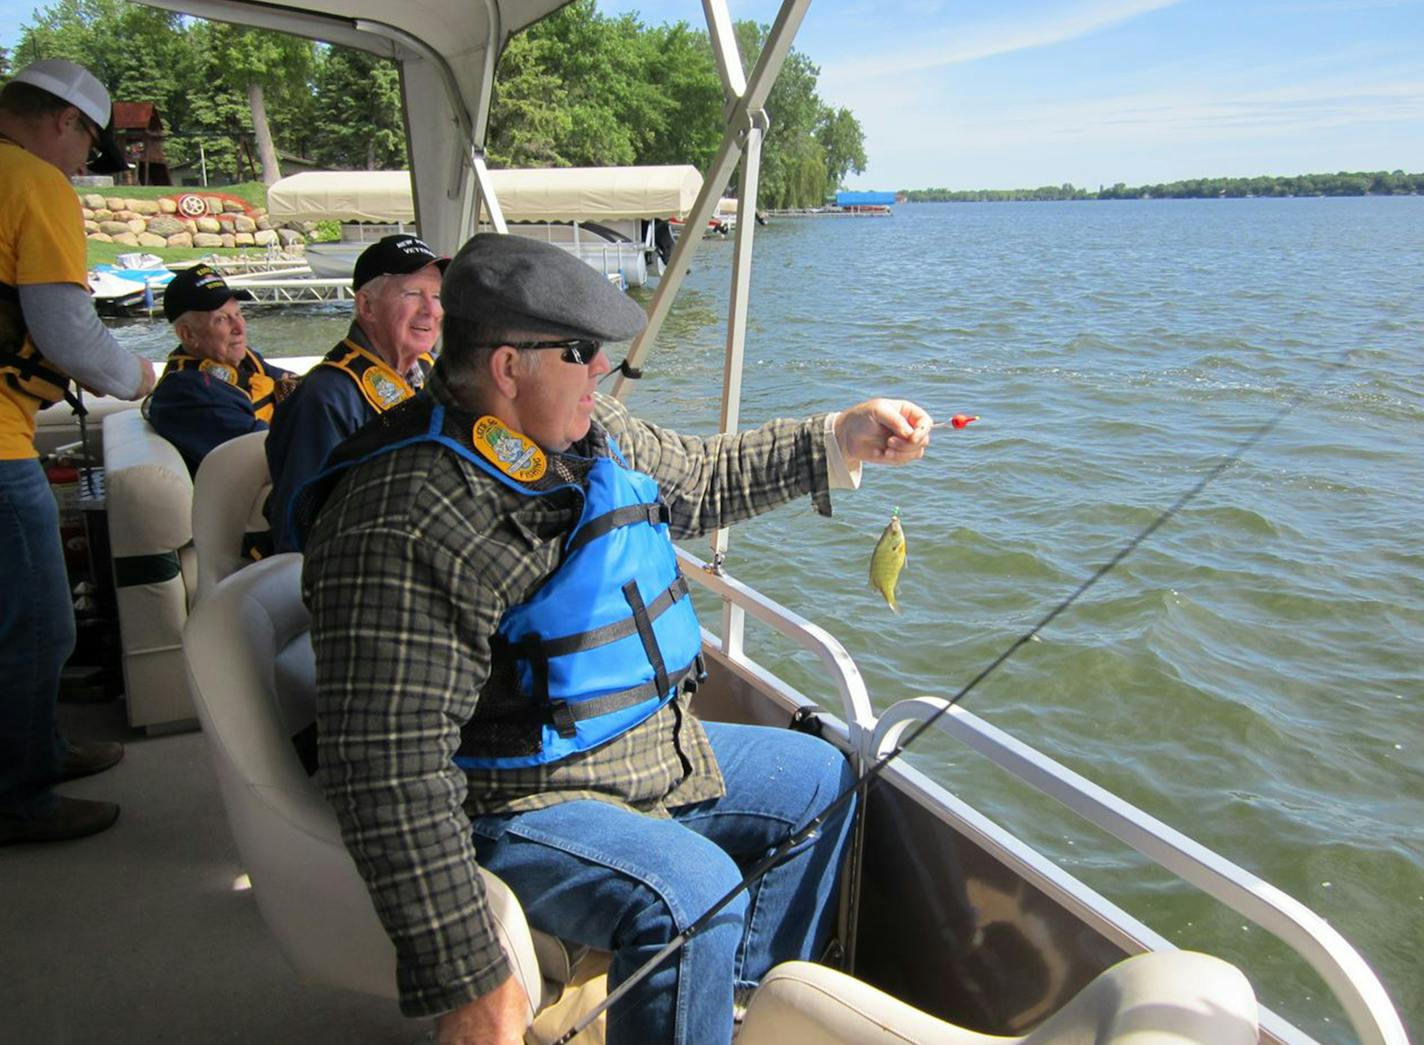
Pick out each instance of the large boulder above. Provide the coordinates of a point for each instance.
(242, 223)
(165, 225)
(215, 204)
(180, 239)
(128, 239)
(99, 237)
(148, 239)
(143, 207)
(228, 240)
(168, 206)
(209, 225)
(103, 214)
(234, 207)
(114, 203)
(265, 237)
(113, 228)
(137, 225)
(243, 239)
(92, 200)
(207, 239)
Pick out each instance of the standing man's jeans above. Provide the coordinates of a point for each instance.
(36, 637)
(595, 874)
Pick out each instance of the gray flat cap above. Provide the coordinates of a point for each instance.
(534, 287)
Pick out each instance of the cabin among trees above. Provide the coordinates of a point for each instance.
(139, 130)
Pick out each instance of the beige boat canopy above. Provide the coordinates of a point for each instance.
(543, 194)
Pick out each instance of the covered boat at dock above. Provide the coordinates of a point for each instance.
(604, 215)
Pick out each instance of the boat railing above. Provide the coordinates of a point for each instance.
(1344, 971)
(855, 700)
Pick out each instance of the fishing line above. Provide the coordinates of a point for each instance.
(863, 782)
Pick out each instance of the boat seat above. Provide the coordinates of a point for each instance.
(249, 659)
(1158, 998)
(149, 502)
(229, 491)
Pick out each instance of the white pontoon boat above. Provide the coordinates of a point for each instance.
(604, 215)
(952, 922)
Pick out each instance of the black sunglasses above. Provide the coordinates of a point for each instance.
(579, 351)
(96, 148)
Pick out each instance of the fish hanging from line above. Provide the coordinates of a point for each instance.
(888, 559)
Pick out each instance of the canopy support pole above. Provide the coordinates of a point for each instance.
(739, 121)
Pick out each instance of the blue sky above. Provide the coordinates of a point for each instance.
(1035, 92)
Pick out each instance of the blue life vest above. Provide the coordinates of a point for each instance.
(610, 637)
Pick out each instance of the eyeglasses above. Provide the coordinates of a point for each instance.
(96, 148)
(578, 351)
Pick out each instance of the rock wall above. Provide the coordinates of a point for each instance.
(185, 219)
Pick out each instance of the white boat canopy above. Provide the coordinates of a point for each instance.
(545, 194)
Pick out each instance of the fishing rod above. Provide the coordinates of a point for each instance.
(863, 782)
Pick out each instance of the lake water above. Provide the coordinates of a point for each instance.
(1251, 675)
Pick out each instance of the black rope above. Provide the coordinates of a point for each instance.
(863, 782)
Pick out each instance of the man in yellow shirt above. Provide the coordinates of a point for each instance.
(55, 121)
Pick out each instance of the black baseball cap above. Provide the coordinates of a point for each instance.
(198, 289)
(394, 256)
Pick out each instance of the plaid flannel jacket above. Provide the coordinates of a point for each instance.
(409, 568)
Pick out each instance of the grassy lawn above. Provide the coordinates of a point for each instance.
(254, 192)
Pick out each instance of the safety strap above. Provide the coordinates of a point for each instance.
(563, 714)
(536, 648)
(651, 513)
(646, 634)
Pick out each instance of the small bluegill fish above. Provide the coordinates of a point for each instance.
(888, 560)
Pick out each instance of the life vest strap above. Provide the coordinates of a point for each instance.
(651, 513)
(564, 714)
(646, 634)
(537, 648)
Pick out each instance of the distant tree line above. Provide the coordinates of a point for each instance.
(1344, 183)
(577, 89)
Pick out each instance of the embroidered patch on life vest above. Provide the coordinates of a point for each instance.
(382, 389)
(510, 452)
(221, 371)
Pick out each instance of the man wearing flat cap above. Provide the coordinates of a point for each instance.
(214, 386)
(55, 122)
(505, 650)
(382, 362)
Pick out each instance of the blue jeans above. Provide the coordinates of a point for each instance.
(595, 874)
(36, 637)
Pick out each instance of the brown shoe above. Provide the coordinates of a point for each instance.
(88, 759)
(70, 818)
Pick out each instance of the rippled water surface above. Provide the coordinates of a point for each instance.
(1251, 675)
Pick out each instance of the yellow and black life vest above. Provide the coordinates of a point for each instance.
(248, 376)
(24, 368)
(380, 385)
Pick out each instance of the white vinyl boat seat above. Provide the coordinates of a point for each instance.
(249, 659)
(229, 491)
(1158, 998)
(149, 502)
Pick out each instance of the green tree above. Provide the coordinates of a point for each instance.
(257, 64)
(356, 111)
(844, 144)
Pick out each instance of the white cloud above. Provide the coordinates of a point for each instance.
(968, 43)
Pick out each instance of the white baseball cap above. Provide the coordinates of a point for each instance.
(78, 86)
